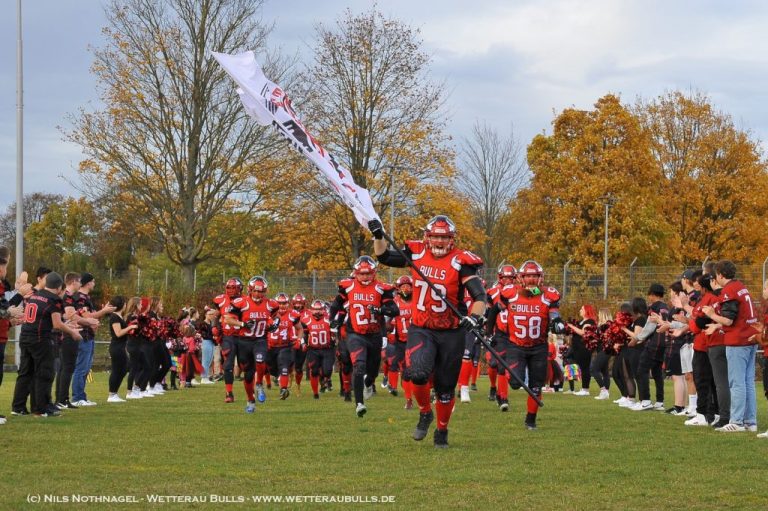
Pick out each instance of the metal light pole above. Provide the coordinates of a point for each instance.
(608, 201)
(19, 162)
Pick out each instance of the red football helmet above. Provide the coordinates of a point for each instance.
(234, 287)
(257, 287)
(405, 280)
(440, 235)
(283, 301)
(365, 269)
(531, 274)
(318, 309)
(507, 274)
(299, 301)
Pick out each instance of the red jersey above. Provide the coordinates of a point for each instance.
(494, 297)
(403, 320)
(446, 273)
(745, 325)
(224, 304)
(245, 309)
(700, 339)
(318, 332)
(286, 334)
(529, 314)
(360, 298)
(304, 314)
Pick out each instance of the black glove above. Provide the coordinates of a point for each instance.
(374, 310)
(249, 324)
(472, 322)
(376, 229)
(335, 324)
(273, 326)
(557, 326)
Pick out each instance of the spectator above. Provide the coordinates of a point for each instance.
(736, 318)
(206, 329)
(764, 343)
(118, 330)
(11, 310)
(582, 336)
(652, 356)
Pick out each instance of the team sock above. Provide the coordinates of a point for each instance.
(466, 371)
(393, 377)
(421, 393)
(444, 411)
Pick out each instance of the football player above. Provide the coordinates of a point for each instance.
(399, 338)
(319, 346)
(229, 332)
(533, 311)
(254, 316)
(299, 303)
(507, 277)
(436, 336)
(368, 301)
(281, 343)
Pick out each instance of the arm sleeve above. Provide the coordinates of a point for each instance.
(475, 288)
(647, 331)
(16, 300)
(389, 308)
(336, 306)
(392, 257)
(730, 309)
(492, 312)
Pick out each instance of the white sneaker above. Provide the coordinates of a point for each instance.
(699, 420)
(114, 398)
(582, 392)
(628, 403)
(158, 389)
(205, 381)
(603, 395)
(641, 406)
(763, 435)
(84, 402)
(622, 399)
(194, 383)
(658, 406)
(368, 393)
(134, 394)
(569, 391)
(147, 393)
(465, 394)
(2, 421)
(731, 428)
(690, 412)
(360, 410)
(752, 428)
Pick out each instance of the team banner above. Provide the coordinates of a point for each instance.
(268, 103)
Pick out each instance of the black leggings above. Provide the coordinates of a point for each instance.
(133, 347)
(148, 362)
(583, 357)
(629, 369)
(162, 362)
(648, 366)
(119, 356)
(599, 369)
(704, 380)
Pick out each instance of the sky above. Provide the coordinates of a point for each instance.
(513, 64)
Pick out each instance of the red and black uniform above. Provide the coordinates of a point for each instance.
(435, 340)
(281, 343)
(36, 369)
(251, 342)
(320, 352)
(397, 340)
(501, 342)
(365, 328)
(299, 351)
(529, 315)
(703, 377)
(5, 325)
(229, 335)
(652, 358)
(742, 331)
(343, 356)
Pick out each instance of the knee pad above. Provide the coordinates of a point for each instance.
(513, 383)
(445, 397)
(416, 376)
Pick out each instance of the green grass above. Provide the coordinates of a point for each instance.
(586, 454)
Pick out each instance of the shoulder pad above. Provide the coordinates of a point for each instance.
(415, 246)
(346, 283)
(272, 305)
(551, 294)
(239, 302)
(467, 258)
(383, 287)
(218, 300)
(509, 291)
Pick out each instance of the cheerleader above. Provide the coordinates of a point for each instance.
(583, 343)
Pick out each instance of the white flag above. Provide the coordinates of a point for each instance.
(266, 102)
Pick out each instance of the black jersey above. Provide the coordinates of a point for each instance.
(38, 320)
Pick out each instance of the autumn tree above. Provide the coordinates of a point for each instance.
(492, 169)
(172, 146)
(368, 99)
(590, 155)
(715, 180)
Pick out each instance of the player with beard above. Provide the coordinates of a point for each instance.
(368, 301)
(436, 337)
(507, 276)
(299, 303)
(230, 332)
(282, 341)
(319, 346)
(254, 316)
(533, 312)
(399, 338)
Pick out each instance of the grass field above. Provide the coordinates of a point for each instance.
(587, 454)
